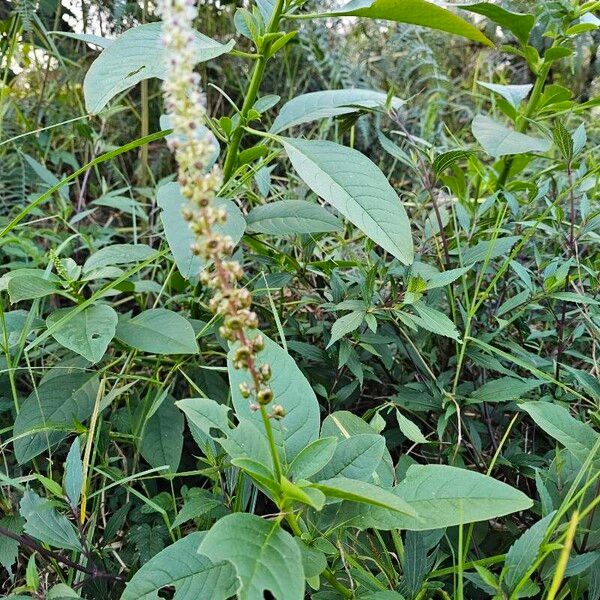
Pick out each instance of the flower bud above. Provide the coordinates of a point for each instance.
(264, 396)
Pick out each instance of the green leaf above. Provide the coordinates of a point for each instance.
(523, 553)
(162, 441)
(300, 426)
(563, 140)
(519, 24)
(248, 441)
(346, 324)
(444, 496)
(498, 140)
(364, 493)
(265, 556)
(136, 55)
(117, 254)
(410, 429)
(177, 230)
(576, 436)
(48, 178)
(29, 287)
(514, 94)
(356, 187)
(574, 297)
(61, 591)
(446, 159)
(191, 574)
(195, 506)
(51, 411)
(9, 548)
(44, 523)
(205, 414)
(288, 217)
(505, 389)
(356, 457)
(312, 458)
(435, 321)
(313, 560)
(87, 332)
(73, 478)
(489, 249)
(445, 277)
(344, 424)
(329, 103)
(159, 331)
(415, 12)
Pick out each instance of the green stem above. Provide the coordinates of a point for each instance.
(250, 98)
(521, 123)
(342, 589)
(274, 454)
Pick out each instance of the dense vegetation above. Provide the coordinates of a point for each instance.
(348, 349)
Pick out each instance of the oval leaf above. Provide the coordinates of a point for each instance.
(329, 103)
(300, 426)
(159, 331)
(265, 556)
(416, 12)
(87, 332)
(292, 217)
(136, 55)
(498, 140)
(351, 183)
(191, 574)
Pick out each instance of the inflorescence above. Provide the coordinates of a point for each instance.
(199, 182)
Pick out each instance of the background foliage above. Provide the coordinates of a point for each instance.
(415, 351)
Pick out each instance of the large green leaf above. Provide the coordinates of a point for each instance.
(356, 457)
(328, 103)
(356, 187)
(364, 493)
(444, 496)
(290, 217)
(435, 321)
(520, 24)
(300, 426)
(205, 414)
(136, 55)
(24, 286)
(504, 389)
(159, 331)
(415, 12)
(313, 458)
(498, 140)
(514, 94)
(344, 424)
(523, 553)
(45, 523)
(177, 230)
(51, 411)
(162, 441)
(87, 332)
(441, 496)
(576, 436)
(117, 254)
(265, 556)
(191, 574)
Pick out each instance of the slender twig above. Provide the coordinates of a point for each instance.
(29, 542)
